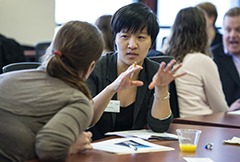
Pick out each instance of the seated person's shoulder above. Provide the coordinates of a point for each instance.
(217, 48)
(152, 52)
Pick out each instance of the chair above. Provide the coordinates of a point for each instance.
(174, 99)
(40, 49)
(159, 59)
(20, 66)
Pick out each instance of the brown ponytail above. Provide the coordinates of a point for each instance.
(75, 46)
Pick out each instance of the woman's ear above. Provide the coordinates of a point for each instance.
(90, 69)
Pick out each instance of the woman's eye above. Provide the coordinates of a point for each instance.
(141, 37)
(124, 36)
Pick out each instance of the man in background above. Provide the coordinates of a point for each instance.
(227, 57)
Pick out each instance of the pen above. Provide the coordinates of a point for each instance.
(162, 138)
(134, 65)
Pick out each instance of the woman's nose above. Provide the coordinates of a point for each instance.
(132, 43)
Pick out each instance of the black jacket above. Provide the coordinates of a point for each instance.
(217, 39)
(228, 74)
(105, 73)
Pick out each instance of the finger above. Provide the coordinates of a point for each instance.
(137, 83)
(179, 75)
(151, 85)
(89, 134)
(85, 137)
(84, 148)
(88, 147)
(137, 68)
(176, 68)
(170, 65)
(161, 67)
(88, 140)
(133, 70)
(133, 66)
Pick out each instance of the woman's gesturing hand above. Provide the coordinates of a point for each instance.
(165, 74)
(126, 79)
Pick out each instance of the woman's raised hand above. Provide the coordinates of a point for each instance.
(165, 74)
(126, 79)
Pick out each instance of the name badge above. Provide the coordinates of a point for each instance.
(113, 106)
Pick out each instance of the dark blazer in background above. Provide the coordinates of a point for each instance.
(217, 39)
(228, 74)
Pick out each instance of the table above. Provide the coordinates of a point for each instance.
(220, 119)
(220, 152)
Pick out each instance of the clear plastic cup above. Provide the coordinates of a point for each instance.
(188, 139)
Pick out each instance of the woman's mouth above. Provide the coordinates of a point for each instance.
(132, 55)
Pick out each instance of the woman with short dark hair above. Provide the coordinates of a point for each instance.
(131, 91)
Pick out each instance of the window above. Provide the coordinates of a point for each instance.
(90, 10)
(85, 10)
(168, 9)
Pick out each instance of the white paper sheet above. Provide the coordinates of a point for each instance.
(128, 146)
(145, 134)
(234, 140)
(196, 159)
(237, 112)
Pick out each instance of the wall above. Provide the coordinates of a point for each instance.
(27, 21)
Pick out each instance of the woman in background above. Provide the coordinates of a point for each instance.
(103, 23)
(45, 111)
(200, 91)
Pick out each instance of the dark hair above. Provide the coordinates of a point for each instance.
(189, 34)
(210, 9)
(135, 17)
(235, 11)
(79, 43)
(103, 23)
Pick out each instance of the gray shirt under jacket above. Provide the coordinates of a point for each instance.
(49, 113)
(105, 73)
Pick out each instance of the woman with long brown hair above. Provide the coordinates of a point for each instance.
(45, 111)
(200, 91)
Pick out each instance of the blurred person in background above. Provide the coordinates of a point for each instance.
(214, 36)
(200, 91)
(227, 57)
(103, 23)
